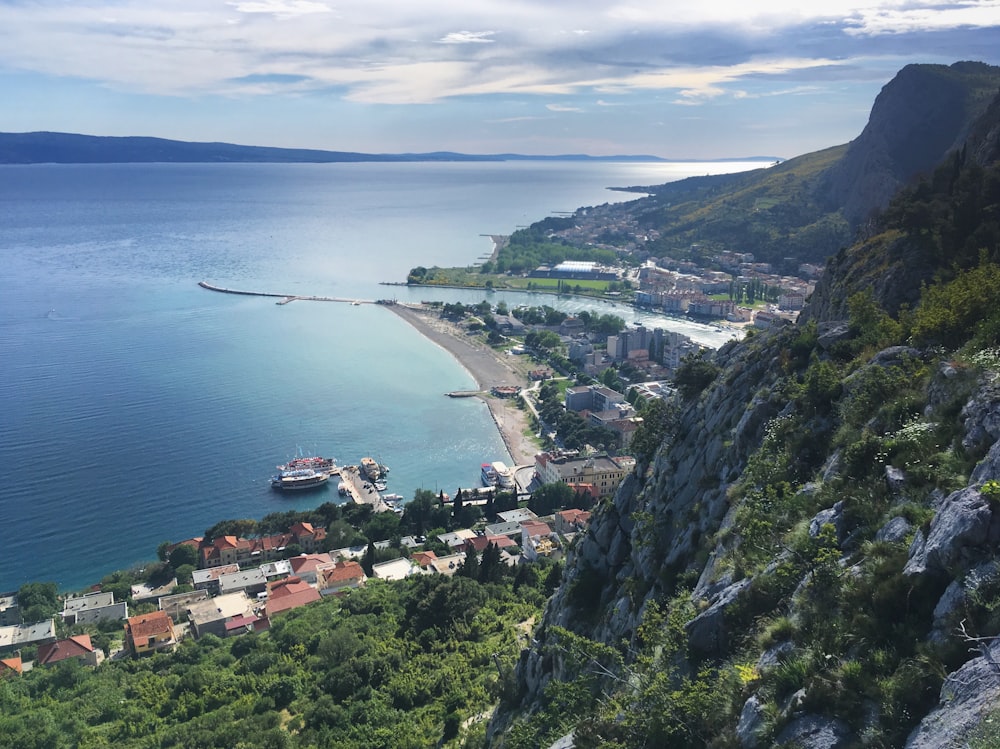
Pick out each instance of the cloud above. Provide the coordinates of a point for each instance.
(386, 52)
(468, 37)
(562, 108)
(282, 8)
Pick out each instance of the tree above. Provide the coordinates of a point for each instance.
(185, 554)
(548, 498)
(368, 560)
(38, 601)
(694, 375)
(470, 567)
(382, 526)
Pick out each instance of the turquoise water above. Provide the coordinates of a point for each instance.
(136, 407)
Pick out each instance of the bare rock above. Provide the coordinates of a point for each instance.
(815, 732)
(750, 722)
(895, 530)
(967, 697)
(960, 526)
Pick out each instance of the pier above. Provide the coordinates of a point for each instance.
(286, 298)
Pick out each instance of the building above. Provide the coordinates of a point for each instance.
(339, 577)
(11, 666)
(595, 398)
(537, 540)
(212, 615)
(304, 566)
(250, 582)
(571, 521)
(394, 569)
(208, 578)
(149, 633)
(27, 634)
(289, 593)
(308, 538)
(10, 613)
(225, 550)
(75, 646)
(602, 471)
(93, 607)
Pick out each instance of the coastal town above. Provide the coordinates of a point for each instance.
(566, 393)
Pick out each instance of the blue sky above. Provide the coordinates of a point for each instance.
(710, 79)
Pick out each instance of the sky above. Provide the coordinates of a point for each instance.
(678, 80)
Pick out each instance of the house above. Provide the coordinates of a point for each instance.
(538, 540)
(93, 607)
(509, 528)
(208, 579)
(280, 568)
(308, 538)
(456, 539)
(448, 565)
(211, 616)
(304, 566)
(26, 634)
(75, 646)
(225, 550)
(516, 516)
(11, 666)
(423, 558)
(339, 577)
(289, 593)
(149, 633)
(394, 569)
(571, 521)
(251, 582)
(479, 543)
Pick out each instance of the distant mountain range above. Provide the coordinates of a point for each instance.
(70, 148)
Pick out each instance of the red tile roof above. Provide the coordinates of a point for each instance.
(423, 558)
(11, 665)
(342, 571)
(309, 562)
(289, 593)
(75, 646)
(143, 626)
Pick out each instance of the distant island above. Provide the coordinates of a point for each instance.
(70, 148)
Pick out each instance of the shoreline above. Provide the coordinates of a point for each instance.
(487, 368)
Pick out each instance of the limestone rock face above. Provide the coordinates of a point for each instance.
(815, 732)
(967, 697)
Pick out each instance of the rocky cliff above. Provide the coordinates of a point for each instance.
(810, 558)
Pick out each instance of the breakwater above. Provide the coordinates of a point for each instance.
(286, 298)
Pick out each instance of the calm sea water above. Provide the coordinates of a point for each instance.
(136, 407)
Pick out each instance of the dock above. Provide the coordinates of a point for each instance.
(286, 298)
(351, 477)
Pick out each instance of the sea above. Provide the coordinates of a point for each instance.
(137, 407)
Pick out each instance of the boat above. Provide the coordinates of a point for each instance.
(342, 488)
(316, 463)
(299, 479)
(504, 477)
(488, 475)
(371, 469)
(379, 486)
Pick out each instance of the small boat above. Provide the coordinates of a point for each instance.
(342, 488)
(379, 486)
(299, 479)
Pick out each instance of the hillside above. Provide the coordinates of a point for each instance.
(810, 557)
(807, 208)
(71, 148)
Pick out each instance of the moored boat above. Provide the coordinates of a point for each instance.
(316, 463)
(299, 479)
(371, 469)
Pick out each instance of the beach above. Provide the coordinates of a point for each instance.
(488, 368)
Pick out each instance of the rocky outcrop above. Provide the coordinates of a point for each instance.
(918, 117)
(968, 696)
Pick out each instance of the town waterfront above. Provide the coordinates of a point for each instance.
(138, 407)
